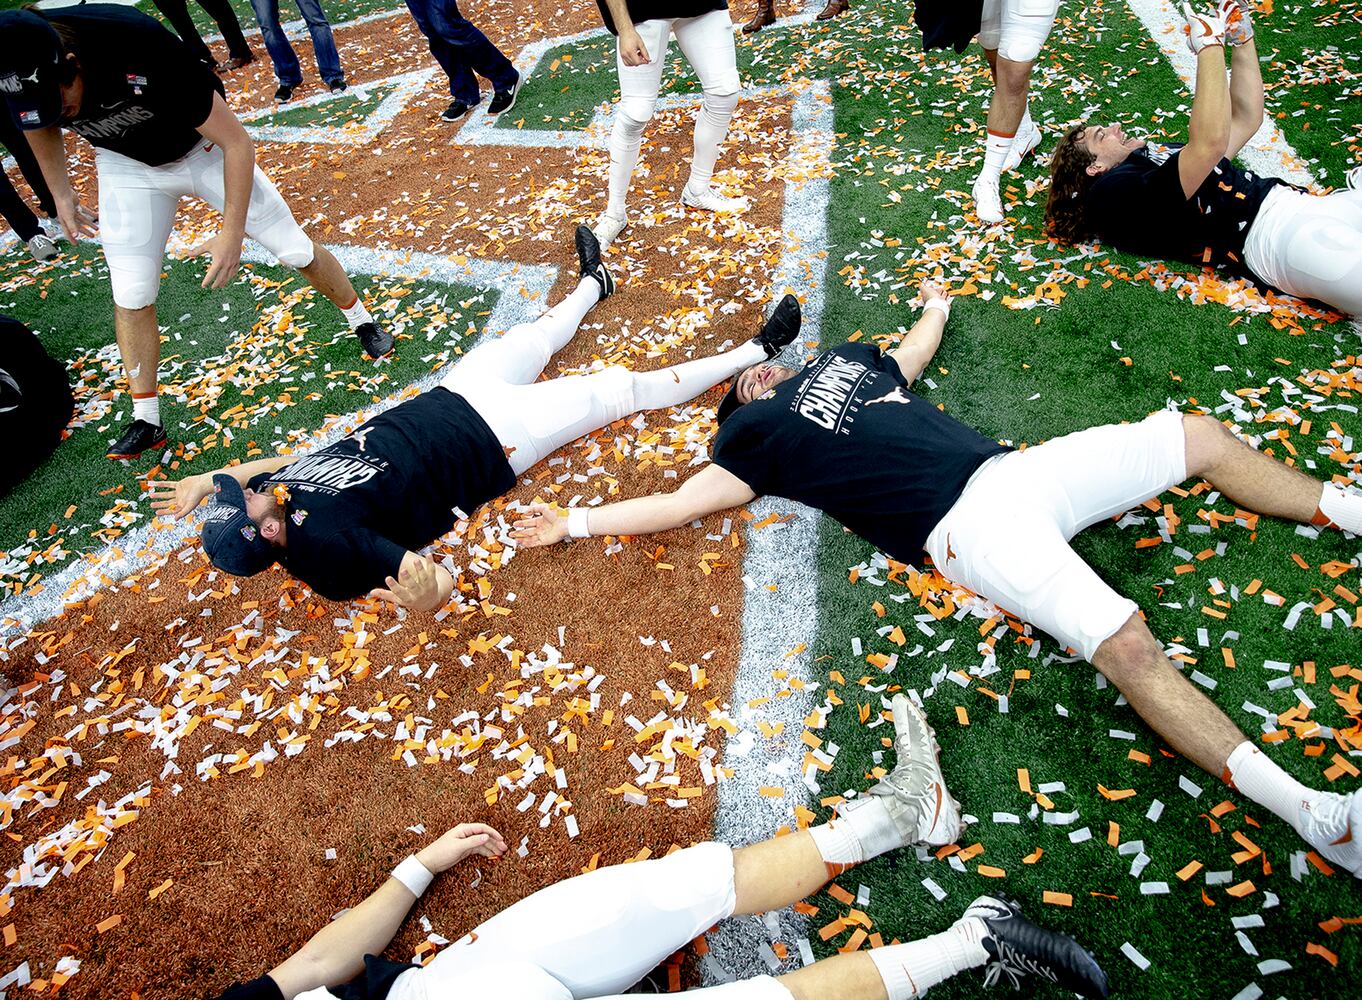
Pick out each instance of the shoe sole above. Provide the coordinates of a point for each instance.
(905, 715)
(125, 456)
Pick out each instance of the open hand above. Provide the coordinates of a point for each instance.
(226, 258)
(632, 50)
(417, 586)
(458, 843)
(176, 498)
(540, 525)
(76, 220)
(1203, 30)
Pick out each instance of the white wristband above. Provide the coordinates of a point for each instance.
(414, 875)
(577, 527)
(938, 303)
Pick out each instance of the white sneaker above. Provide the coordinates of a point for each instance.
(1333, 827)
(711, 200)
(914, 793)
(988, 202)
(1022, 143)
(1355, 178)
(42, 248)
(52, 228)
(608, 227)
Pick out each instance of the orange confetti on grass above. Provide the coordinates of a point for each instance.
(1057, 898)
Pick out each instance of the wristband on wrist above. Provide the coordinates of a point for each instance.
(577, 526)
(414, 875)
(938, 303)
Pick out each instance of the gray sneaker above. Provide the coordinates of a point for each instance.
(42, 247)
(914, 793)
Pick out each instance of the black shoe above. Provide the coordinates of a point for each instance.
(781, 328)
(455, 111)
(338, 86)
(376, 340)
(589, 259)
(137, 437)
(1018, 948)
(284, 93)
(235, 62)
(504, 100)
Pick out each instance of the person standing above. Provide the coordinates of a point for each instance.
(704, 31)
(238, 51)
(462, 51)
(161, 131)
(287, 70)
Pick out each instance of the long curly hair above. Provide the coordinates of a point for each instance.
(1069, 181)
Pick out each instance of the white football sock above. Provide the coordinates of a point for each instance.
(910, 969)
(1255, 775)
(711, 125)
(863, 830)
(356, 315)
(147, 408)
(625, 140)
(996, 148)
(1342, 507)
(678, 383)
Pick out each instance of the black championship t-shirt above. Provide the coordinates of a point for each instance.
(373, 983)
(653, 10)
(1139, 207)
(846, 436)
(145, 93)
(397, 483)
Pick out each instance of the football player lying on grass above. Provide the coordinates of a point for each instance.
(844, 435)
(596, 935)
(348, 518)
(1192, 203)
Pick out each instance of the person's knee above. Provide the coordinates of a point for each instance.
(1206, 441)
(136, 294)
(1130, 648)
(635, 113)
(614, 387)
(297, 251)
(721, 102)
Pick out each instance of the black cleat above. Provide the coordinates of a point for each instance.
(376, 340)
(1017, 948)
(455, 111)
(504, 100)
(589, 261)
(137, 437)
(781, 328)
(283, 94)
(338, 85)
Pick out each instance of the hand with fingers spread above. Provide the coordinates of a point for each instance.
(934, 288)
(632, 49)
(458, 843)
(225, 252)
(1238, 18)
(540, 525)
(1203, 30)
(176, 498)
(76, 220)
(417, 585)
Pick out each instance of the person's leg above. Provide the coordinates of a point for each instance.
(1310, 246)
(638, 100)
(444, 54)
(475, 49)
(222, 13)
(323, 41)
(19, 216)
(287, 70)
(707, 42)
(177, 13)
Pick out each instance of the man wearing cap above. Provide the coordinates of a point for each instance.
(846, 436)
(349, 518)
(161, 132)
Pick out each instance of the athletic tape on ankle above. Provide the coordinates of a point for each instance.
(577, 527)
(938, 303)
(414, 875)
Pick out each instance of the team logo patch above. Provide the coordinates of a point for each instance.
(248, 532)
(28, 118)
(298, 517)
(136, 81)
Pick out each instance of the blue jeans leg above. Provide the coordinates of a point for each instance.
(285, 60)
(444, 55)
(323, 42)
(470, 46)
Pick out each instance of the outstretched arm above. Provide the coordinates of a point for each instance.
(1246, 75)
(1208, 133)
(915, 351)
(335, 954)
(712, 488)
(175, 498)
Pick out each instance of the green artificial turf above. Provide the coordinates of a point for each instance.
(338, 111)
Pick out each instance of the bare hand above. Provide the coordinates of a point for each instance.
(934, 288)
(226, 253)
(1203, 30)
(456, 844)
(76, 220)
(175, 499)
(540, 525)
(632, 50)
(417, 586)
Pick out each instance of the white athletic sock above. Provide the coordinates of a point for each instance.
(678, 383)
(711, 126)
(356, 315)
(560, 323)
(910, 969)
(1256, 776)
(1342, 507)
(147, 408)
(996, 148)
(862, 831)
(625, 141)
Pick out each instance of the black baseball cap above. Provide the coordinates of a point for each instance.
(730, 402)
(30, 68)
(230, 537)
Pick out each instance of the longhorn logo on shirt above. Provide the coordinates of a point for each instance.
(360, 436)
(896, 396)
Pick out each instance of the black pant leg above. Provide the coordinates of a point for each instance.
(13, 139)
(177, 13)
(221, 12)
(19, 216)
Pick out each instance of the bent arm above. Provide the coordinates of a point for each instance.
(238, 164)
(619, 13)
(712, 488)
(1246, 96)
(50, 152)
(1208, 133)
(918, 346)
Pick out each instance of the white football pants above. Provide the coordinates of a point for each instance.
(1310, 245)
(592, 936)
(1017, 29)
(533, 419)
(707, 42)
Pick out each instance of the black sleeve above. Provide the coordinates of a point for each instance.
(263, 988)
(743, 448)
(1119, 201)
(354, 563)
(872, 357)
(177, 82)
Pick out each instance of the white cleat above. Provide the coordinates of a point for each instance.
(711, 200)
(988, 202)
(1022, 144)
(914, 793)
(1333, 827)
(607, 228)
